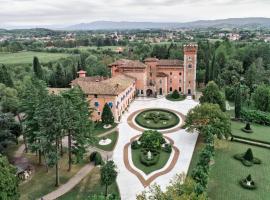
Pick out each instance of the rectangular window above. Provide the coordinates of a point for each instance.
(98, 113)
(170, 89)
(141, 91)
(96, 95)
(180, 89)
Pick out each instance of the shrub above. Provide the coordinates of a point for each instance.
(167, 148)
(256, 116)
(229, 93)
(144, 159)
(175, 94)
(96, 158)
(248, 183)
(151, 140)
(135, 145)
(247, 158)
(247, 128)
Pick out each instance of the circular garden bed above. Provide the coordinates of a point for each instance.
(157, 119)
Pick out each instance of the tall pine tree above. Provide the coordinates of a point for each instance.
(5, 76)
(37, 68)
(77, 123)
(237, 101)
(60, 77)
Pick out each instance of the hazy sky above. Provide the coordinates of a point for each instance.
(46, 12)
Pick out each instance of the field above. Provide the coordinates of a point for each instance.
(26, 57)
(260, 132)
(226, 173)
(89, 186)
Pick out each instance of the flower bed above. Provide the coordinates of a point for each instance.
(157, 119)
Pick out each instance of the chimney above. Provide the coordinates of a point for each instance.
(81, 73)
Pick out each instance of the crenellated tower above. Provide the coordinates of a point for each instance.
(190, 65)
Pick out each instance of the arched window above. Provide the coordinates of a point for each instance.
(189, 65)
(96, 104)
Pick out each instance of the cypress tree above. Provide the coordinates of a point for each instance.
(37, 68)
(5, 77)
(107, 115)
(60, 78)
(237, 101)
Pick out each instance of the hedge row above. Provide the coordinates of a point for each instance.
(256, 116)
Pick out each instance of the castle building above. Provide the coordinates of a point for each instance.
(134, 78)
(160, 77)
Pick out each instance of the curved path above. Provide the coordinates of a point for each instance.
(19, 151)
(107, 132)
(77, 178)
(70, 184)
(81, 174)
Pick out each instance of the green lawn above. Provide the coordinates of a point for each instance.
(113, 136)
(165, 119)
(226, 172)
(260, 132)
(43, 182)
(89, 186)
(99, 128)
(12, 148)
(26, 57)
(163, 159)
(195, 156)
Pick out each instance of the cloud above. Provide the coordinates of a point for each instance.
(41, 12)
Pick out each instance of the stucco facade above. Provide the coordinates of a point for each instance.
(160, 77)
(134, 78)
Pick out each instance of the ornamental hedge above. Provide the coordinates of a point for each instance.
(96, 158)
(144, 157)
(256, 116)
(247, 158)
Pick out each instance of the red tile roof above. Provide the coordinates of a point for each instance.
(112, 86)
(124, 63)
(174, 63)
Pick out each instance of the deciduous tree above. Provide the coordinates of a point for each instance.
(9, 183)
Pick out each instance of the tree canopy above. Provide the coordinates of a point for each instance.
(8, 181)
(212, 94)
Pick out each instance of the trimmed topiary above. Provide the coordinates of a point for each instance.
(175, 94)
(247, 158)
(96, 158)
(144, 157)
(248, 183)
(135, 145)
(247, 128)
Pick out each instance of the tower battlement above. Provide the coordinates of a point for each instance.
(192, 47)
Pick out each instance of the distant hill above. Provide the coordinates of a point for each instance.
(221, 23)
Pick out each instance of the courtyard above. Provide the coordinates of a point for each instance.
(183, 146)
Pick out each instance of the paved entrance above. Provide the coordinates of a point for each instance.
(129, 184)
